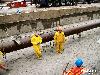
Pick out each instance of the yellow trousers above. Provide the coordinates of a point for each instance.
(59, 47)
(37, 50)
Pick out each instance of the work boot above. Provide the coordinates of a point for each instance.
(40, 58)
(62, 50)
(58, 52)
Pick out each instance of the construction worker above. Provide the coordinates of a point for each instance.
(36, 40)
(77, 70)
(59, 39)
(2, 64)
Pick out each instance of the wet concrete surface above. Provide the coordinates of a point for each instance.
(23, 62)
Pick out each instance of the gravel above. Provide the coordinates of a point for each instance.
(23, 62)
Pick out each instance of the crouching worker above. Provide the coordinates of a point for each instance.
(77, 70)
(59, 39)
(36, 40)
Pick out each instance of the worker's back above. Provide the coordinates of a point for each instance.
(75, 71)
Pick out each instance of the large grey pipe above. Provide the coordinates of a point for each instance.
(25, 42)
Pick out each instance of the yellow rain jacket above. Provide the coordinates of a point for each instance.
(59, 37)
(35, 40)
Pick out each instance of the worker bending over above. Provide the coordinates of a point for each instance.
(59, 39)
(77, 70)
(36, 40)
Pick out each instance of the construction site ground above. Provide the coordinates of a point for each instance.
(87, 47)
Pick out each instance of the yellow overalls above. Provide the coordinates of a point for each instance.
(59, 39)
(36, 41)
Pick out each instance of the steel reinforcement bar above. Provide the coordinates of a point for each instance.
(13, 45)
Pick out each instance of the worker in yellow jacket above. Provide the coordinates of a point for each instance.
(59, 39)
(36, 40)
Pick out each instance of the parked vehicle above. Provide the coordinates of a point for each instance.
(17, 4)
(48, 3)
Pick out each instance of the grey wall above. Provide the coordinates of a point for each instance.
(9, 29)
